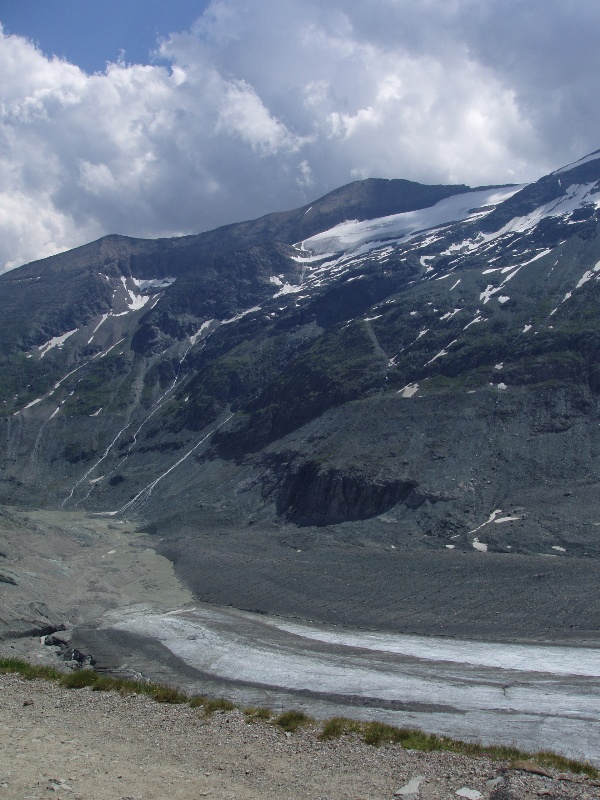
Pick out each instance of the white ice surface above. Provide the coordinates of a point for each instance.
(534, 695)
(352, 234)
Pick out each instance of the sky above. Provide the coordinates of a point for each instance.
(151, 118)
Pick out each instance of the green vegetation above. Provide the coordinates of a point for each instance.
(28, 671)
(339, 726)
(239, 373)
(27, 378)
(255, 714)
(341, 365)
(377, 733)
(212, 704)
(291, 720)
(82, 678)
(374, 733)
(99, 384)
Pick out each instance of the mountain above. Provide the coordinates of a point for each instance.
(380, 409)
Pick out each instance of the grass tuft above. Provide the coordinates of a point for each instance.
(80, 679)
(377, 733)
(339, 726)
(198, 700)
(28, 671)
(254, 714)
(217, 704)
(291, 720)
(211, 704)
(168, 694)
(547, 759)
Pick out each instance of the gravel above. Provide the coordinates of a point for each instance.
(89, 745)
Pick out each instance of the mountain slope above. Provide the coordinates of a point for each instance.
(424, 381)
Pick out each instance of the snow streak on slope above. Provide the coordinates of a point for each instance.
(576, 196)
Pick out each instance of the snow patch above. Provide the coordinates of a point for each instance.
(106, 352)
(102, 321)
(154, 283)
(288, 288)
(409, 390)
(56, 341)
(200, 331)
(481, 546)
(240, 315)
(474, 321)
(496, 269)
(491, 518)
(588, 275)
(450, 314)
(441, 354)
(135, 302)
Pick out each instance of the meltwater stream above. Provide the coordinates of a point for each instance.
(533, 696)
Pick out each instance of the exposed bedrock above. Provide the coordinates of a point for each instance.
(312, 496)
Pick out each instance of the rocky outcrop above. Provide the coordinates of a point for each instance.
(309, 495)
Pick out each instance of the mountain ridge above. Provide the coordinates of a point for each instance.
(422, 382)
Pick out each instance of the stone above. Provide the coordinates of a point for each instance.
(410, 790)
(468, 794)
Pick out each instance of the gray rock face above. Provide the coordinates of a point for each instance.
(427, 382)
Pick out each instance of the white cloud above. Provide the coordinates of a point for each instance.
(243, 114)
(266, 105)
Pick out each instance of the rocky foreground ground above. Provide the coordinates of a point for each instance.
(85, 745)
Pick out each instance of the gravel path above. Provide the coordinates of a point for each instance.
(101, 746)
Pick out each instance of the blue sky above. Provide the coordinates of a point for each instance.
(224, 110)
(90, 33)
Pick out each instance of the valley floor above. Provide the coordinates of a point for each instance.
(88, 572)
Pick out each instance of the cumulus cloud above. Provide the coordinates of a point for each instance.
(265, 105)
